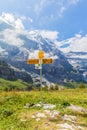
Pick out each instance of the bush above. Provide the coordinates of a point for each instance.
(81, 85)
(56, 87)
(45, 88)
(51, 87)
(65, 103)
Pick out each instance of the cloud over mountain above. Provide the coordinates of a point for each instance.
(10, 19)
(78, 43)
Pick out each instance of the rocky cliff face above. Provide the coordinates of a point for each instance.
(75, 50)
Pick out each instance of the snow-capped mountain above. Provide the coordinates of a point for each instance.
(75, 49)
(17, 45)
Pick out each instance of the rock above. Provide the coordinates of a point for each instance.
(66, 126)
(28, 105)
(38, 105)
(54, 114)
(48, 106)
(37, 119)
(41, 115)
(77, 109)
(80, 128)
(45, 106)
(33, 116)
(47, 112)
(69, 118)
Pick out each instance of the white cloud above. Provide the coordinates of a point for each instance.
(52, 35)
(33, 54)
(61, 11)
(10, 19)
(78, 36)
(18, 24)
(64, 6)
(11, 37)
(73, 1)
(75, 44)
(30, 19)
(23, 18)
(51, 55)
(60, 6)
(39, 7)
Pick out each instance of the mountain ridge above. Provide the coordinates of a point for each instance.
(75, 50)
(27, 46)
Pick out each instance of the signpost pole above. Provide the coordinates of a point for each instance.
(41, 81)
(41, 60)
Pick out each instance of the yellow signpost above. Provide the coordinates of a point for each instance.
(47, 61)
(41, 54)
(33, 61)
(41, 60)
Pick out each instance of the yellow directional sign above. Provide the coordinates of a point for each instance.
(41, 54)
(33, 61)
(41, 60)
(37, 61)
(47, 61)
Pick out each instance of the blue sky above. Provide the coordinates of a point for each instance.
(67, 17)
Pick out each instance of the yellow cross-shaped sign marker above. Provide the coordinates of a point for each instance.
(41, 60)
(41, 54)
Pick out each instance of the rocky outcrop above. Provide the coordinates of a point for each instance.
(8, 73)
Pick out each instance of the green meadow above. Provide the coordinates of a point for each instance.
(14, 116)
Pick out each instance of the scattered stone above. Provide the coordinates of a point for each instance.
(38, 105)
(47, 112)
(77, 109)
(80, 128)
(37, 119)
(67, 126)
(48, 106)
(69, 118)
(54, 114)
(33, 116)
(45, 106)
(41, 115)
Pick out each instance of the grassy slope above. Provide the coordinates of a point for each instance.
(10, 85)
(13, 115)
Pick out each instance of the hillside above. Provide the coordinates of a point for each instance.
(9, 73)
(6, 72)
(17, 85)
